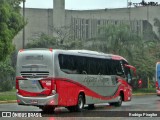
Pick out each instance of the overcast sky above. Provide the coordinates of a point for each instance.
(83, 4)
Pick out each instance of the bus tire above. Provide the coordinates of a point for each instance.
(80, 103)
(48, 109)
(79, 106)
(117, 104)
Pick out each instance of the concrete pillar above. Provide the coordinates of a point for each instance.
(58, 13)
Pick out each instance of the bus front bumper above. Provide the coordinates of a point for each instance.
(37, 101)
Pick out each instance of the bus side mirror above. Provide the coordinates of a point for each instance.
(132, 68)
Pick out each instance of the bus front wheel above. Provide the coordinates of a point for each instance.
(118, 103)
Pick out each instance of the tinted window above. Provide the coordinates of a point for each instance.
(87, 65)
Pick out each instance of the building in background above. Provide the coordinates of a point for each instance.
(84, 24)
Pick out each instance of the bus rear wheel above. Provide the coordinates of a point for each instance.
(80, 103)
(79, 106)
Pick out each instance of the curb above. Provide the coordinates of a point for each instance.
(136, 94)
(141, 94)
(8, 101)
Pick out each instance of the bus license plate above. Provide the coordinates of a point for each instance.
(34, 82)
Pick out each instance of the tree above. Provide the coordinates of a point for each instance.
(11, 22)
(6, 72)
(116, 39)
(42, 41)
(45, 41)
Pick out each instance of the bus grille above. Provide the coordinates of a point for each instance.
(34, 74)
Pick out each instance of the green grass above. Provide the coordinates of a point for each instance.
(8, 95)
(145, 90)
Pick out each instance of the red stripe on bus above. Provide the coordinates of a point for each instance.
(92, 93)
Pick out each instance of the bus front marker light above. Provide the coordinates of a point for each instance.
(129, 98)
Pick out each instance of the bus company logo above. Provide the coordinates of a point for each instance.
(34, 75)
(6, 114)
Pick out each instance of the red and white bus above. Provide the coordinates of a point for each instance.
(49, 78)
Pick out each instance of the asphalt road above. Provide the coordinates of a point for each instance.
(148, 105)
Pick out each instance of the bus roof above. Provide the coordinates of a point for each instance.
(78, 52)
